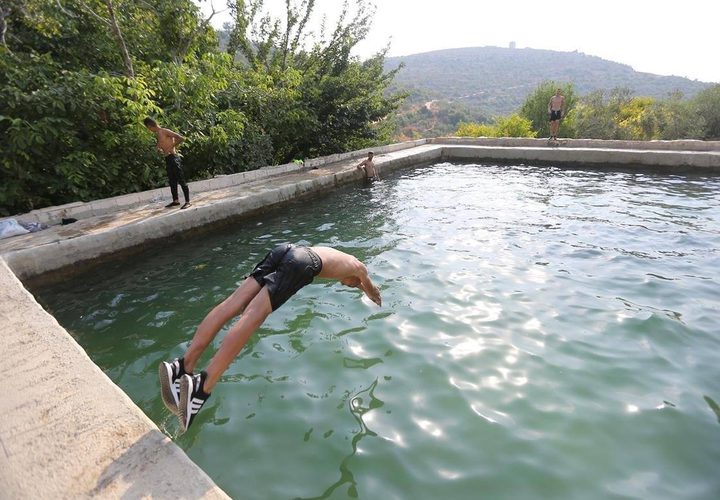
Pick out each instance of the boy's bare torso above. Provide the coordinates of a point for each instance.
(369, 168)
(336, 265)
(166, 141)
(557, 102)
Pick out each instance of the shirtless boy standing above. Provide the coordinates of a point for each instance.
(555, 109)
(284, 270)
(166, 142)
(368, 167)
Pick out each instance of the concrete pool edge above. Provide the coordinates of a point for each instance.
(68, 431)
(664, 161)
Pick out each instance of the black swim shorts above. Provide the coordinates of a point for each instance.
(555, 115)
(285, 270)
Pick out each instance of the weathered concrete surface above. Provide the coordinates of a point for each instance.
(660, 160)
(66, 430)
(520, 142)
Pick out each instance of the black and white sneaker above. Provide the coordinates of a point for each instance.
(170, 374)
(192, 398)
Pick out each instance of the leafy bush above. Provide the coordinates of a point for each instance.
(678, 119)
(70, 135)
(510, 126)
(636, 120)
(475, 130)
(514, 126)
(707, 105)
(593, 117)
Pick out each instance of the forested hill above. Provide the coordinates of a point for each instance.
(495, 81)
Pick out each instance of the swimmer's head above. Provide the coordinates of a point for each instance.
(150, 123)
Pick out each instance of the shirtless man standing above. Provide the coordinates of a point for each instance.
(368, 167)
(166, 142)
(555, 109)
(284, 270)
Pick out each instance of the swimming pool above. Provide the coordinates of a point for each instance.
(545, 332)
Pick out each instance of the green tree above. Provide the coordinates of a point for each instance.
(535, 108)
(329, 101)
(71, 124)
(678, 119)
(707, 105)
(111, 35)
(212, 104)
(78, 76)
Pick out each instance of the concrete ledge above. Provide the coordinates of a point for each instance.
(67, 431)
(675, 160)
(521, 142)
(80, 210)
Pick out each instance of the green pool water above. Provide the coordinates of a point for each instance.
(545, 333)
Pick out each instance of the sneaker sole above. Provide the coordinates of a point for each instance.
(166, 390)
(184, 406)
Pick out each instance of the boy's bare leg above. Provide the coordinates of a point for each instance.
(255, 313)
(214, 321)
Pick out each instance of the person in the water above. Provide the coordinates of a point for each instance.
(284, 270)
(369, 168)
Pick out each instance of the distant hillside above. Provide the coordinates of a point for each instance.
(480, 82)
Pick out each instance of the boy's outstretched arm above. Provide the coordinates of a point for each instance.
(371, 290)
(363, 282)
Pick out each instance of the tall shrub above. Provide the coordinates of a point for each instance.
(504, 126)
(70, 135)
(707, 106)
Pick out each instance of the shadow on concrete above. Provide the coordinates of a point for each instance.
(154, 467)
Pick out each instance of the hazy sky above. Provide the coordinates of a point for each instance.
(657, 36)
